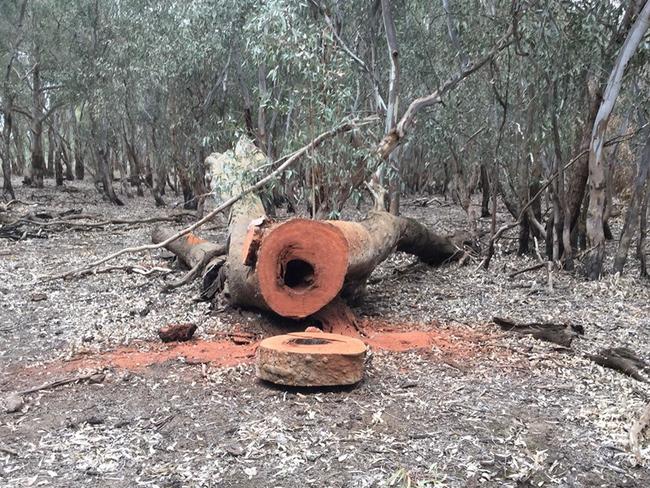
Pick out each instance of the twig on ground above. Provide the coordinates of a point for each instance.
(9, 451)
(4, 207)
(187, 277)
(344, 127)
(535, 267)
(129, 269)
(72, 224)
(57, 383)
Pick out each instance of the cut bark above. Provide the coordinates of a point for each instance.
(311, 359)
(177, 332)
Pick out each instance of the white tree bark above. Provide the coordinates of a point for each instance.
(597, 181)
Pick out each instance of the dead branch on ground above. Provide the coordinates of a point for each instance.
(561, 334)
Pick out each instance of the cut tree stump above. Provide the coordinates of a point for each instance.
(311, 359)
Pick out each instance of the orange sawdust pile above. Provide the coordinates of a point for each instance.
(141, 355)
(452, 342)
(457, 342)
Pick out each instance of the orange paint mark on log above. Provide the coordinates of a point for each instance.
(193, 239)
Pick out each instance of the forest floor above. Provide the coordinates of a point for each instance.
(449, 399)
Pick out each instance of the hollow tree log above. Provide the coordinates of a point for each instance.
(302, 265)
(297, 267)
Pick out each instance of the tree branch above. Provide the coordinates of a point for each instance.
(391, 140)
(341, 128)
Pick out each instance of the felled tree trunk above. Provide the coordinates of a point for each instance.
(297, 267)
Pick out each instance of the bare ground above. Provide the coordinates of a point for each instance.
(476, 406)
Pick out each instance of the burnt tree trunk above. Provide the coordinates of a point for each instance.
(79, 169)
(104, 169)
(7, 188)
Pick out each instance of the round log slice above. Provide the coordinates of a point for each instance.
(301, 265)
(311, 359)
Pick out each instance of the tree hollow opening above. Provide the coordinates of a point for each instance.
(309, 341)
(298, 274)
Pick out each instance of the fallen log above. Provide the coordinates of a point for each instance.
(561, 334)
(297, 267)
(623, 360)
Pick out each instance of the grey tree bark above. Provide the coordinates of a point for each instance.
(632, 215)
(597, 179)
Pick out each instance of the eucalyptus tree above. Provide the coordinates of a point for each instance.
(11, 36)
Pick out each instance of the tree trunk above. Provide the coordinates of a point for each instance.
(597, 181)
(51, 150)
(105, 173)
(632, 216)
(134, 162)
(7, 105)
(160, 172)
(58, 166)
(7, 188)
(485, 192)
(643, 220)
(392, 107)
(21, 163)
(38, 160)
(78, 151)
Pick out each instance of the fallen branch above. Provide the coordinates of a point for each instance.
(623, 360)
(9, 451)
(129, 268)
(535, 267)
(341, 128)
(4, 207)
(72, 224)
(57, 383)
(561, 334)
